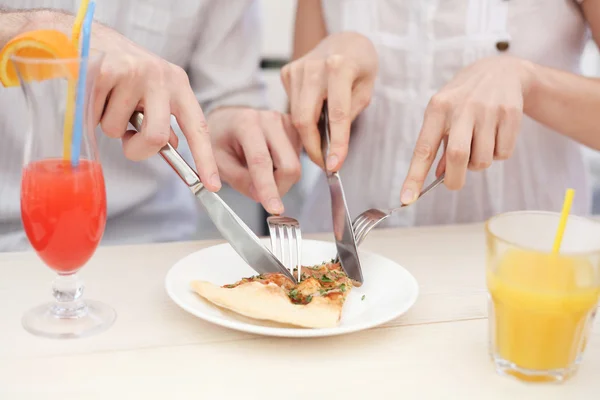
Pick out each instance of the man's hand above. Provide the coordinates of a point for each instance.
(257, 153)
(477, 115)
(133, 79)
(341, 69)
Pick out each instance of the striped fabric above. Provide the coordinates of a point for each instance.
(217, 42)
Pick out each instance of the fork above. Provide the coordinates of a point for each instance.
(365, 222)
(286, 242)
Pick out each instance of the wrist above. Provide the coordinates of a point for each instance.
(49, 19)
(12, 23)
(530, 76)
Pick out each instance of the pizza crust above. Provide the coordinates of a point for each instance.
(270, 302)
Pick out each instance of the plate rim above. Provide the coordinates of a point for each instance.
(245, 327)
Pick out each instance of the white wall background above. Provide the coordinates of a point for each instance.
(278, 26)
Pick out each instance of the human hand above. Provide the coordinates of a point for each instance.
(477, 115)
(341, 69)
(258, 153)
(133, 79)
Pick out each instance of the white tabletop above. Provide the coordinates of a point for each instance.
(438, 350)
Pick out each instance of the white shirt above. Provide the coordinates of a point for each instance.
(421, 45)
(217, 42)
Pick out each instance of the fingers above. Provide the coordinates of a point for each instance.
(101, 93)
(235, 174)
(459, 150)
(195, 129)
(484, 139)
(121, 103)
(260, 167)
(339, 101)
(347, 87)
(306, 107)
(508, 129)
(428, 142)
(173, 138)
(286, 161)
(286, 79)
(292, 133)
(441, 167)
(156, 127)
(361, 97)
(126, 85)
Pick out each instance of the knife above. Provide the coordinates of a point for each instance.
(233, 229)
(342, 224)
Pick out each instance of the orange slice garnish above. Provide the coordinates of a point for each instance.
(38, 44)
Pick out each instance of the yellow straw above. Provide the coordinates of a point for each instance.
(563, 219)
(76, 32)
(69, 115)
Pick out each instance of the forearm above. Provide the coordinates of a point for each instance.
(565, 102)
(12, 23)
(309, 27)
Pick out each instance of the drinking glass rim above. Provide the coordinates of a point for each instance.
(38, 60)
(488, 231)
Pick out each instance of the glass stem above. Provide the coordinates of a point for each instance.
(67, 290)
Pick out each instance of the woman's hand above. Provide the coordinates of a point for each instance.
(341, 69)
(477, 115)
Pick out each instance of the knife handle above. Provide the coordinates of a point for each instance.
(323, 126)
(172, 157)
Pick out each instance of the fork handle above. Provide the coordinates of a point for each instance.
(359, 239)
(429, 187)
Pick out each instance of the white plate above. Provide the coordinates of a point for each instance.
(389, 290)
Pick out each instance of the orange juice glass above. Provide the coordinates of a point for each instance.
(541, 304)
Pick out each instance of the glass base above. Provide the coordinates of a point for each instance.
(507, 368)
(78, 320)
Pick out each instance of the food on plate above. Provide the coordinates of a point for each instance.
(315, 302)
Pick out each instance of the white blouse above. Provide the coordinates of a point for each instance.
(422, 44)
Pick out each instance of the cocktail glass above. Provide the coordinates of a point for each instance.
(63, 196)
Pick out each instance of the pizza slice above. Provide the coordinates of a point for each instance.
(315, 302)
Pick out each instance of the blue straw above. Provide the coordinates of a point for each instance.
(85, 52)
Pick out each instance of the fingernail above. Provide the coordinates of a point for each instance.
(332, 162)
(407, 196)
(215, 181)
(275, 206)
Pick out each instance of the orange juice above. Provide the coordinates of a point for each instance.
(542, 305)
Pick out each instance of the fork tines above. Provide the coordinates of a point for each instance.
(286, 241)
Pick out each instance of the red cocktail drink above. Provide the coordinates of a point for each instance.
(63, 195)
(63, 208)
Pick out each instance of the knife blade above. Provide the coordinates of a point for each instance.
(342, 224)
(229, 224)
